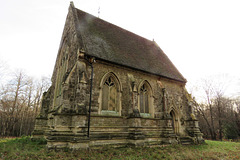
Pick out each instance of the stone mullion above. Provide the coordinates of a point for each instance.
(109, 97)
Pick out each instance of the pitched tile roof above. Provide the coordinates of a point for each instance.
(111, 43)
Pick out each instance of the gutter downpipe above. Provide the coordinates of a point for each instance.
(90, 98)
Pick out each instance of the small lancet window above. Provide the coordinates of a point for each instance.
(109, 98)
(144, 99)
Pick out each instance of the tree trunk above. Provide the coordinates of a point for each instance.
(214, 136)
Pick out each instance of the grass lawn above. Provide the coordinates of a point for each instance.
(24, 148)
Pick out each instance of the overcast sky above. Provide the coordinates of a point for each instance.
(201, 37)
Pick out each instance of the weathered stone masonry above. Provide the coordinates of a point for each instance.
(135, 100)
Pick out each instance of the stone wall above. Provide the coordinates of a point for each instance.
(68, 122)
(175, 92)
(63, 120)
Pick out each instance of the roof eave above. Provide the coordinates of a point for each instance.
(170, 78)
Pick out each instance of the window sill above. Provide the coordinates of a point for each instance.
(109, 113)
(145, 115)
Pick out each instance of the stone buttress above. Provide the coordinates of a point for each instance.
(130, 105)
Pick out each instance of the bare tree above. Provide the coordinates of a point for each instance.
(217, 111)
(209, 93)
(19, 102)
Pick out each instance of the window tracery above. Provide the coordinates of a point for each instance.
(144, 99)
(110, 95)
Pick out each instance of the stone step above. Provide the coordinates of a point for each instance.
(186, 141)
(108, 135)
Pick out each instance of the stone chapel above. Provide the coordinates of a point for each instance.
(113, 87)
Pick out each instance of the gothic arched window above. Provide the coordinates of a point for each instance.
(110, 95)
(144, 99)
